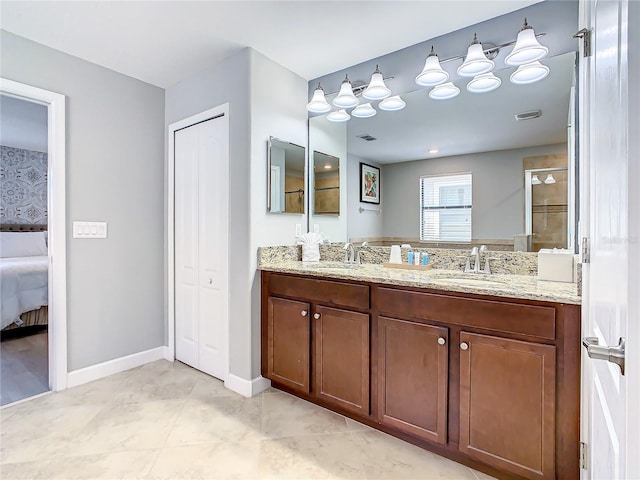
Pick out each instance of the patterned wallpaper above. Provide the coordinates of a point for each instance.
(23, 186)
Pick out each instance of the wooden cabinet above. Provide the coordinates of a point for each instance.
(288, 343)
(342, 358)
(490, 382)
(507, 404)
(413, 378)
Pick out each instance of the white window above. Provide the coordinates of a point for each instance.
(445, 208)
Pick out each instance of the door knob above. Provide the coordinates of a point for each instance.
(316, 316)
(464, 346)
(612, 354)
(304, 313)
(441, 341)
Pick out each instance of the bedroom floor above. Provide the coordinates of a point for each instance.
(24, 368)
(168, 421)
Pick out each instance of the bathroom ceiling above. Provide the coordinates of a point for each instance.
(163, 43)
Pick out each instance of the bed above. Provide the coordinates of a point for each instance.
(24, 272)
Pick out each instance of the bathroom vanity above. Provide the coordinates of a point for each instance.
(483, 371)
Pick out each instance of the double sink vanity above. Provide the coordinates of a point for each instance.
(482, 369)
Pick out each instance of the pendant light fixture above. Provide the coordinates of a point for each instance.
(476, 62)
(529, 73)
(535, 180)
(444, 91)
(432, 74)
(318, 103)
(376, 90)
(364, 110)
(392, 104)
(549, 180)
(484, 83)
(527, 48)
(345, 98)
(338, 116)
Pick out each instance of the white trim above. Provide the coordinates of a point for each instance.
(246, 388)
(171, 320)
(56, 197)
(117, 365)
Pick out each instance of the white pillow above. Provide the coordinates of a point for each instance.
(22, 244)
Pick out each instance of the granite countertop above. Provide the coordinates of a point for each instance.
(499, 285)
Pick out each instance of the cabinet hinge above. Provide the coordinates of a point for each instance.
(585, 35)
(583, 455)
(585, 250)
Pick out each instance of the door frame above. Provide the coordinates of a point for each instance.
(171, 275)
(56, 213)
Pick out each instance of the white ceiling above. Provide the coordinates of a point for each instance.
(163, 43)
(471, 122)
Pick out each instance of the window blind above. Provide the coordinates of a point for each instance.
(445, 207)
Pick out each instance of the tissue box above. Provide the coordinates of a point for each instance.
(555, 265)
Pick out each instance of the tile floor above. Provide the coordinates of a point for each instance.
(168, 421)
(24, 370)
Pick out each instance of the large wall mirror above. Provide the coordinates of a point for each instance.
(326, 184)
(516, 142)
(286, 177)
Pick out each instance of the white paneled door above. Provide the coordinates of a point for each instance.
(611, 218)
(201, 245)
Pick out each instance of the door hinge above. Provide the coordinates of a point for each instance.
(586, 250)
(585, 35)
(583, 455)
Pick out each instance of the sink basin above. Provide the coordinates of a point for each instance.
(338, 267)
(468, 281)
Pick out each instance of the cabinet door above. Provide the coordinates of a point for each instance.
(289, 343)
(342, 358)
(507, 404)
(413, 378)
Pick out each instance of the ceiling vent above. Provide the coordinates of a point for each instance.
(367, 137)
(528, 115)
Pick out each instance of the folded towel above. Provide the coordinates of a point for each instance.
(310, 246)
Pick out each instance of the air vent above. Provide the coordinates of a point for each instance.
(367, 137)
(528, 115)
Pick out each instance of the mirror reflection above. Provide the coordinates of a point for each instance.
(326, 184)
(286, 177)
(496, 137)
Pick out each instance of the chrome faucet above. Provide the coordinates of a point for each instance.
(350, 253)
(475, 254)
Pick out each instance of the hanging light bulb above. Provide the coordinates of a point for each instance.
(376, 90)
(364, 110)
(345, 98)
(484, 83)
(432, 74)
(527, 48)
(392, 104)
(444, 91)
(529, 73)
(549, 180)
(338, 116)
(535, 180)
(476, 62)
(318, 103)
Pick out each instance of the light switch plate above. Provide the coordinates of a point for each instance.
(89, 229)
(298, 229)
(316, 228)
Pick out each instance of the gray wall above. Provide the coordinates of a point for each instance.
(498, 191)
(114, 139)
(264, 100)
(365, 224)
(23, 124)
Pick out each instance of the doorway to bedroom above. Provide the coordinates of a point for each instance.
(24, 362)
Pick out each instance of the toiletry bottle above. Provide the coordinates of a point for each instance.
(416, 258)
(410, 258)
(425, 258)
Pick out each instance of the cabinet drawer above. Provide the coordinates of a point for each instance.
(491, 315)
(314, 290)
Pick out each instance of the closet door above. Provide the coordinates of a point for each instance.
(201, 246)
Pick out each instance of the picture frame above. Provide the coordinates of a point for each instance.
(369, 184)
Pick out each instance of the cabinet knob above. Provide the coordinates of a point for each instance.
(210, 281)
(464, 346)
(304, 313)
(441, 341)
(316, 316)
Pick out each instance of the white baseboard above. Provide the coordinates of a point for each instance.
(117, 365)
(167, 354)
(247, 388)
